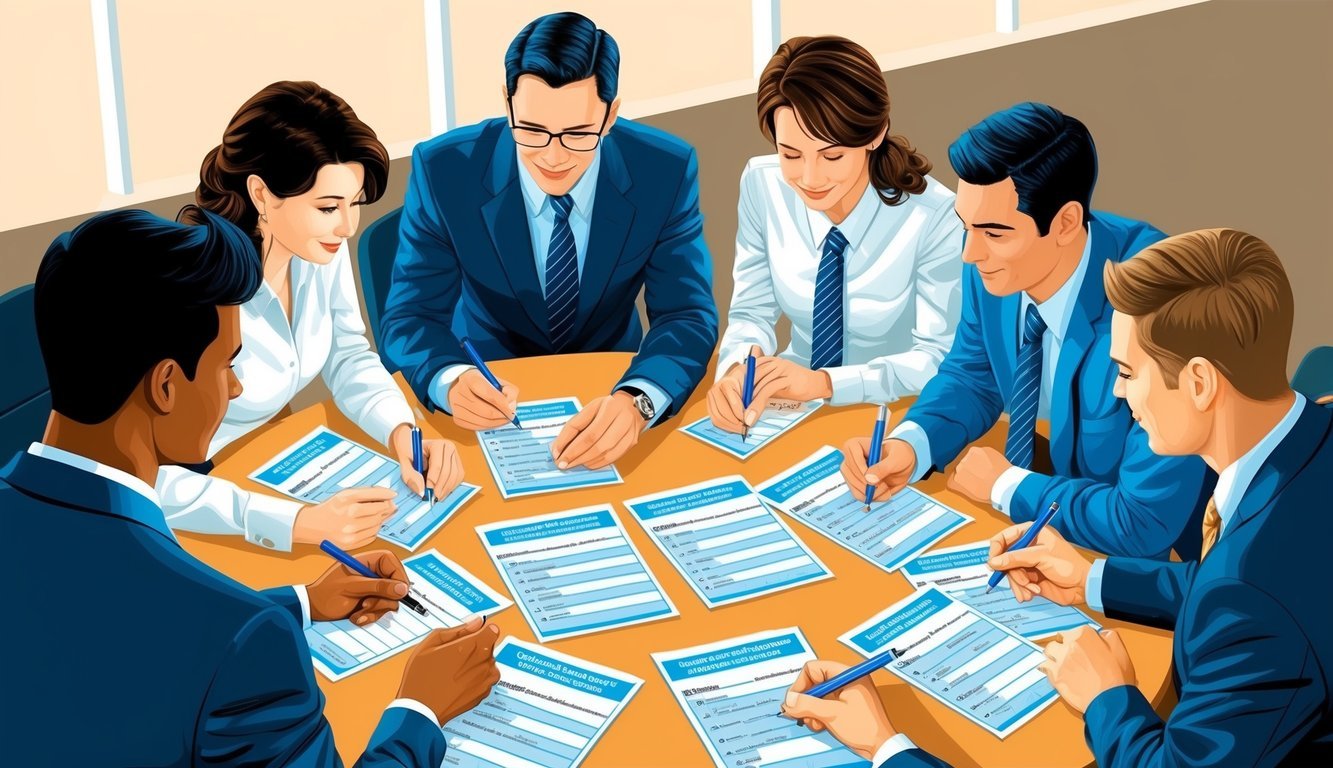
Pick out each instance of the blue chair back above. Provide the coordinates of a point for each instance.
(1314, 376)
(25, 397)
(375, 253)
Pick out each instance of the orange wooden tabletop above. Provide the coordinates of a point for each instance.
(652, 730)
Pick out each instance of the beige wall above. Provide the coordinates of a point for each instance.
(48, 144)
(1198, 122)
(661, 45)
(189, 64)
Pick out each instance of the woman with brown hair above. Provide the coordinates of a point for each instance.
(294, 168)
(844, 233)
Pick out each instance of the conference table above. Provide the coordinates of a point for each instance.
(652, 730)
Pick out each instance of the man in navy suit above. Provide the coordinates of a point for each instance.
(133, 652)
(1032, 342)
(1200, 336)
(534, 233)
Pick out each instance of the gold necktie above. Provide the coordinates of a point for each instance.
(1212, 526)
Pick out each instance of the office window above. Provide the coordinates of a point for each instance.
(888, 26)
(189, 65)
(51, 137)
(666, 49)
(1032, 11)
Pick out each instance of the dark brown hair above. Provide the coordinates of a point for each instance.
(839, 92)
(1219, 294)
(284, 134)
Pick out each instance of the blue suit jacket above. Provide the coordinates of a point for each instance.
(1253, 631)
(128, 651)
(465, 265)
(1115, 494)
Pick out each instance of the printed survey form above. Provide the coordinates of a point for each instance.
(450, 595)
(976, 666)
(732, 693)
(547, 711)
(520, 459)
(323, 463)
(777, 419)
(725, 542)
(891, 533)
(961, 573)
(575, 572)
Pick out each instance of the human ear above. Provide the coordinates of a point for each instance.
(160, 386)
(1200, 379)
(1068, 222)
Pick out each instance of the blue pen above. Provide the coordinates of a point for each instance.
(747, 394)
(1027, 539)
(852, 674)
(419, 463)
(333, 551)
(481, 366)
(876, 444)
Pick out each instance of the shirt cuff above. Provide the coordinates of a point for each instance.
(849, 384)
(911, 433)
(269, 521)
(439, 389)
(416, 706)
(303, 598)
(1092, 591)
(1002, 493)
(890, 748)
(661, 400)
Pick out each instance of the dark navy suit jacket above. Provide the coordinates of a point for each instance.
(1253, 623)
(125, 650)
(1116, 495)
(465, 265)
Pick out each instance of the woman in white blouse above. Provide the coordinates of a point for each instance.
(294, 168)
(844, 233)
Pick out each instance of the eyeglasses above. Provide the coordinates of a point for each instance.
(575, 141)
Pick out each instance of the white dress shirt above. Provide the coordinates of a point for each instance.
(143, 489)
(902, 270)
(541, 224)
(1232, 483)
(1056, 312)
(326, 337)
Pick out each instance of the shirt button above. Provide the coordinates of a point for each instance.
(291, 364)
(267, 542)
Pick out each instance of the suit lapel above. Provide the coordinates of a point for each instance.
(506, 220)
(612, 216)
(1079, 338)
(64, 486)
(1286, 461)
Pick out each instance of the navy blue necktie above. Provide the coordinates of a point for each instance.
(562, 275)
(1027, 392)
(826, 339)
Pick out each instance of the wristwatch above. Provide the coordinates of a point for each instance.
(641, 401)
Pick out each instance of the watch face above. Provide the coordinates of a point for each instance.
(645, 405)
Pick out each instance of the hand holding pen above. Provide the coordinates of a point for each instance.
(852, 712)
(370, 585)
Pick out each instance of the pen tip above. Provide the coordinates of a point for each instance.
(867, 509)
(988, 589)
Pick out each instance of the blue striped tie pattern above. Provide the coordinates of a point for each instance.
(1027, 392)
(826, 342)
(562, 275)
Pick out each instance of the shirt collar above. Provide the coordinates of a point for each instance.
(582, 191)
(119, 477)
(854, 227)
(1234, 481)
(1058, 310)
